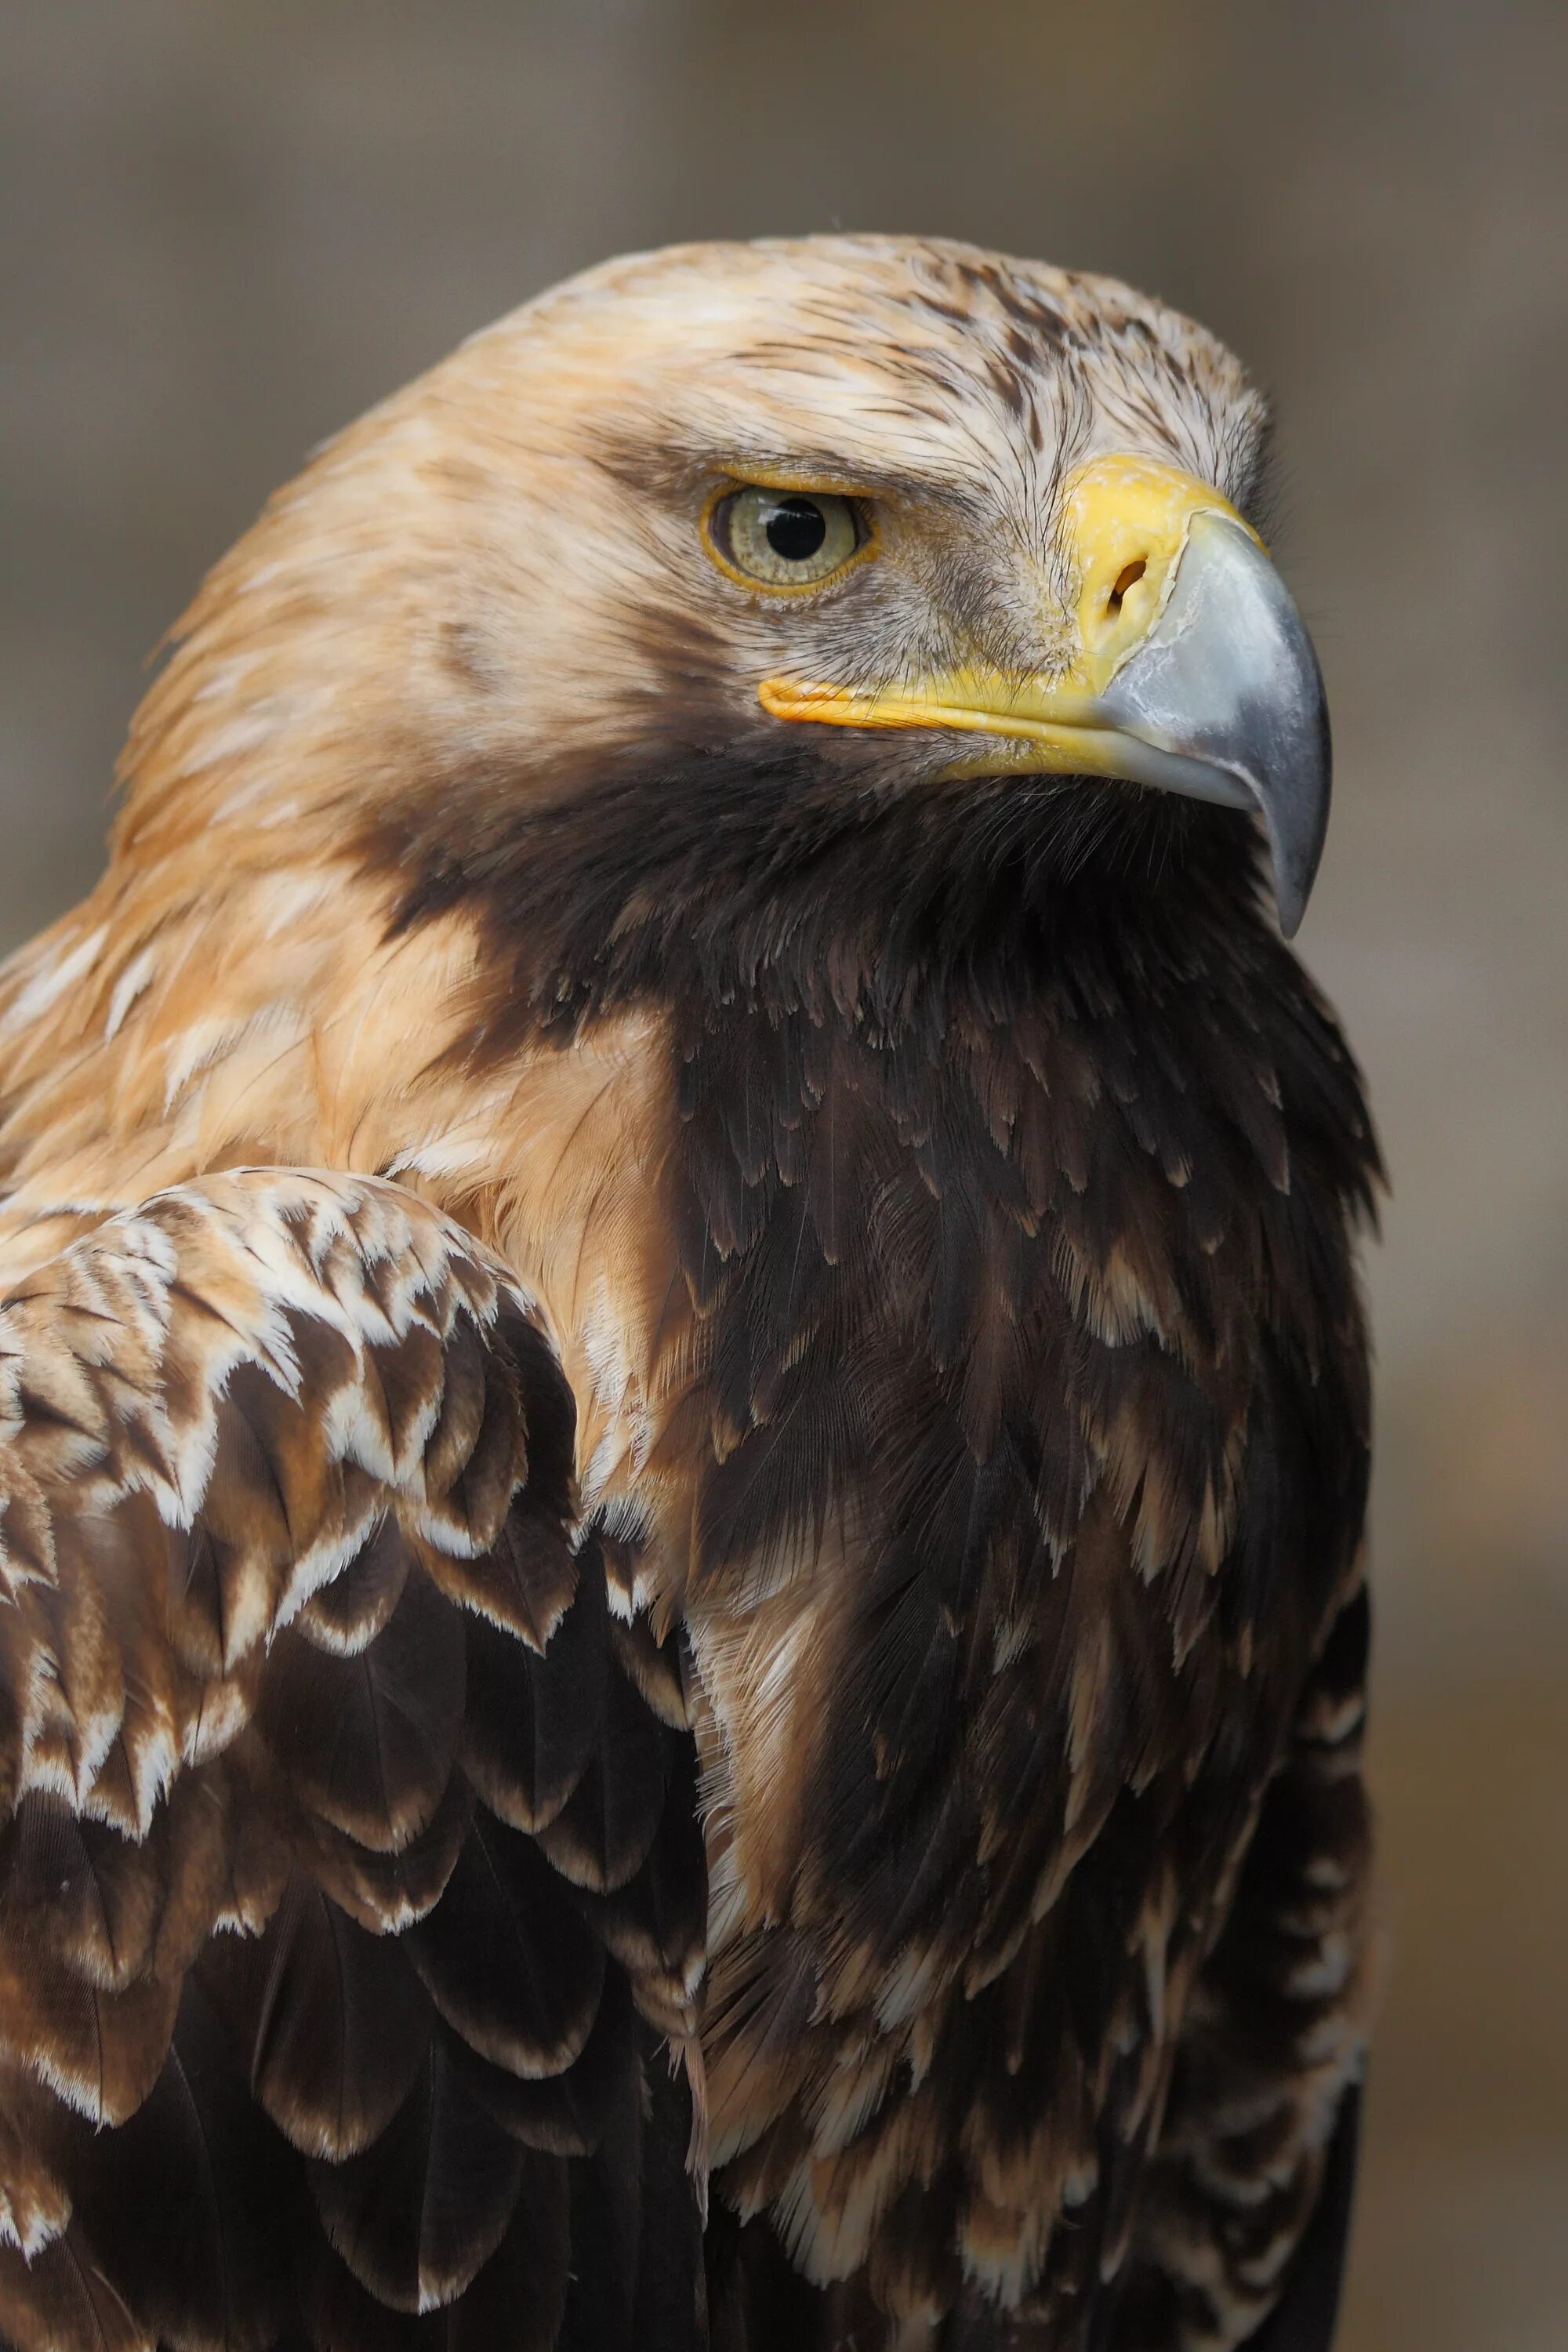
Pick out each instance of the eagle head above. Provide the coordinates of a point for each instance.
(710, 560)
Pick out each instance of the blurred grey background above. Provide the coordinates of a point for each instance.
(231, 223)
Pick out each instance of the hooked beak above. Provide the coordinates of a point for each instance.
(1193, 670)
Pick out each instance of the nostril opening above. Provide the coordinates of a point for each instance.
(1125, 578)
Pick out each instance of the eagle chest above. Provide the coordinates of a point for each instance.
(986, 1697)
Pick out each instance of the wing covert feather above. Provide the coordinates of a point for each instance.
(350, 1876)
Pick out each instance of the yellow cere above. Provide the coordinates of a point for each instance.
(1127, 519)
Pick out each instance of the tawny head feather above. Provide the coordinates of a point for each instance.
(501, 567)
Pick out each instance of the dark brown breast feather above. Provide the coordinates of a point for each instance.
(1030, 1311)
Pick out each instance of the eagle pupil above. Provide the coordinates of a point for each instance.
(796, 529)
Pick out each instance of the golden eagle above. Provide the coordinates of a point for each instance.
(684, 1405)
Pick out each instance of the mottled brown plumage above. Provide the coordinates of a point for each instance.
(707, 1694)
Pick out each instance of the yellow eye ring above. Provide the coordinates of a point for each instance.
(787, 542)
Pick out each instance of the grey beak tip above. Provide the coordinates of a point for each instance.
(1223, 700)
(1244, 647)
(1294, 805)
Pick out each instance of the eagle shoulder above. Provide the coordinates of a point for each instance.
(349, 1879)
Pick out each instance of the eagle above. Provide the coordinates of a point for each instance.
(683, 1397)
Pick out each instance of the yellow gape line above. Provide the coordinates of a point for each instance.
(1125, 524)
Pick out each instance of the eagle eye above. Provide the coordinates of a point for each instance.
(785, 539)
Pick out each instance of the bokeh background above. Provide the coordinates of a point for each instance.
(231, 223)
